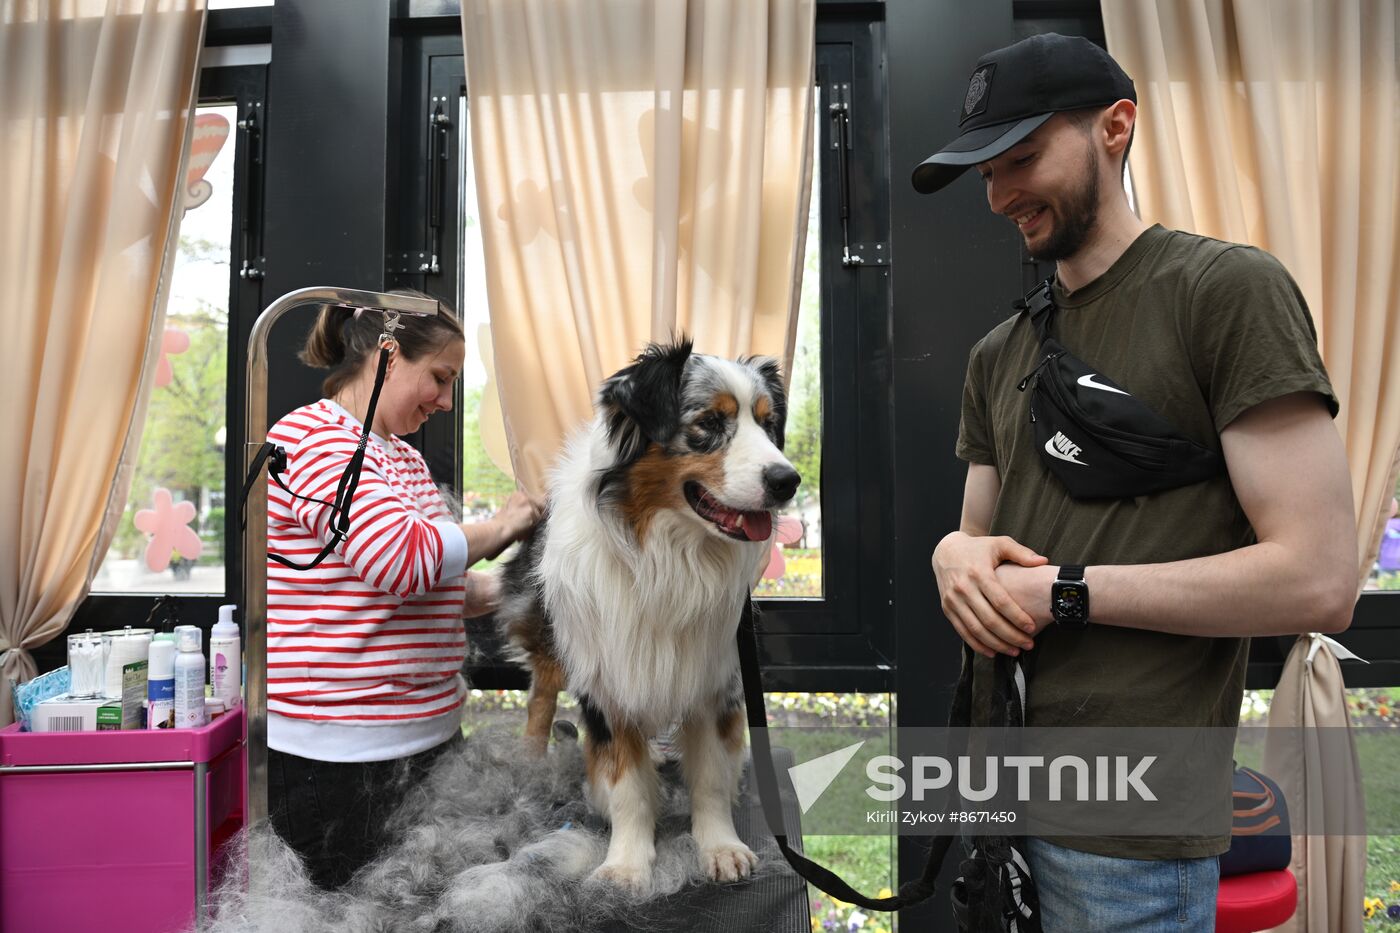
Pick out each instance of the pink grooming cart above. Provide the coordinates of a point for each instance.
(116, 831)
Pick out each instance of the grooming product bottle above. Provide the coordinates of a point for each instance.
(225, 662)
(160, 685)
(189, 682)
(198, 636)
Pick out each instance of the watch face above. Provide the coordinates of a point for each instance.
(1070, 603)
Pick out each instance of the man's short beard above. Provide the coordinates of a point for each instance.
(1079, 217)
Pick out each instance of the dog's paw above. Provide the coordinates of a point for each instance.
(729, 862)
(633, 879)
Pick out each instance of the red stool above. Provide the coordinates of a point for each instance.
(1253, 902)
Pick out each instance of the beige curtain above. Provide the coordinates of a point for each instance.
(642, 169)
(1277, 123)
(1310, 752)
(94, 122)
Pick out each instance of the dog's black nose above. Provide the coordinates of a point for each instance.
(781, 481)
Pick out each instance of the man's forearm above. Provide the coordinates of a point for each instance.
(1262, 589)
(1256, 590)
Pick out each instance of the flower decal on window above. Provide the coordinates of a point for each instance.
(168, 524)
(210, 132)
(175, 341)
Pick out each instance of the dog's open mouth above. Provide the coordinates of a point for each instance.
(742, 526)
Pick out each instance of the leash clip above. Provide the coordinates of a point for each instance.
(391, 324)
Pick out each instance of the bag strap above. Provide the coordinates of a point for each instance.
(910, 893)
(1039, 305)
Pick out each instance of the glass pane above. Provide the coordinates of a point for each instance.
(1385, 572)
(171, 535)
(795, 569)
(486, 484)
(809, 726)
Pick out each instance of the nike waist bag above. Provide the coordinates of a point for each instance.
(1098, 439)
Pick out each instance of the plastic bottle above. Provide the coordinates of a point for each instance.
(225, 662)
(198, 635)
(189, 682)
(160, 685)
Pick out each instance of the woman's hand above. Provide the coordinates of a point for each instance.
(486, 540)
(519, 516)
(483, 593)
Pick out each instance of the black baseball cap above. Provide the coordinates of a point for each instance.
(1014, 90)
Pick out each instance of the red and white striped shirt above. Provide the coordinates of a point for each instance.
(373, 636)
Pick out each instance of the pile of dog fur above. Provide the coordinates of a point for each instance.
(490, 842)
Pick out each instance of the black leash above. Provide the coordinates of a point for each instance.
(276, 459)
(910, 893)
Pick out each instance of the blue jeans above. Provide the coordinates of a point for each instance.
(1085, 893)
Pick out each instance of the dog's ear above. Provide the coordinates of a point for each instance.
(770, 373)
(642, 403)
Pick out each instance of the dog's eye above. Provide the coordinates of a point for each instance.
(713, 423)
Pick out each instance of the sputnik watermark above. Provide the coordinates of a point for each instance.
(1063, 781)
(932, 773)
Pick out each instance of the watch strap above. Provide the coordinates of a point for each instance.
(1071, 572)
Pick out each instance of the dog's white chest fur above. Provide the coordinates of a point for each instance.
(645, 632)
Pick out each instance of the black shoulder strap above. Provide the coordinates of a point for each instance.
(1039, 305)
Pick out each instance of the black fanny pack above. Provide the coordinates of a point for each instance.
(1098, 439)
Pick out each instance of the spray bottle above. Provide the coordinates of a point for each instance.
(225, 664)
(160, 685)
(189, 682)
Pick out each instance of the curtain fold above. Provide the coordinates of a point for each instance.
(643, 170)
(1277, 123)
(94, 126)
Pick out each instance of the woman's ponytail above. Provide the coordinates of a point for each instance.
(325, 345)
(342, 340)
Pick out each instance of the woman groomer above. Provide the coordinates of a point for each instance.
(364, 651)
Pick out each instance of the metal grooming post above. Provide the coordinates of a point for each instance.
(255, 535)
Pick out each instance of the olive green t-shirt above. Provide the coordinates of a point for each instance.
(1200, 331)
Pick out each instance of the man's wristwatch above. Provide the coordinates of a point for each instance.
(1069, 598)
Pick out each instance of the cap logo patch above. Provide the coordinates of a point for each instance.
(976, 100)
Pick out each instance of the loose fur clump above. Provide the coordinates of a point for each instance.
(493, 841)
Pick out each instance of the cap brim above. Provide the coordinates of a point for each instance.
(979, 145)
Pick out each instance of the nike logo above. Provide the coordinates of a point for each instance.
(1088, 382)
(1064, 448)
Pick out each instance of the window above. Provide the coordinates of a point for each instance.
(795, 568)
(194, 430)
(486, 481)
(828, 614)
(171, 535)
(839, 635)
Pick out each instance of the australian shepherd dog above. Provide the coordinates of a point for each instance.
(628, 594)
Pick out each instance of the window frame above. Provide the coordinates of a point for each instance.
(843, 641)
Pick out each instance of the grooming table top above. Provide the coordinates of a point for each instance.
(776, 901)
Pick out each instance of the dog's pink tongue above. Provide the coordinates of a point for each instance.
(758, 525)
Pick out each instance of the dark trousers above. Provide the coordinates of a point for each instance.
(334, 813)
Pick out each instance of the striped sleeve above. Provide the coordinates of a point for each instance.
(390, 546)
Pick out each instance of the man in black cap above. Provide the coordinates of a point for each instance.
(1139, 608)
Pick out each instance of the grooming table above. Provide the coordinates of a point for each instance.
(774, 902)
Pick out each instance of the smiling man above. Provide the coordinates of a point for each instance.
(1154, 595)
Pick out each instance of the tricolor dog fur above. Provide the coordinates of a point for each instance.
(628, 594)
